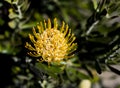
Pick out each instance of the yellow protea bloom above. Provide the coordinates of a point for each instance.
(51, 44)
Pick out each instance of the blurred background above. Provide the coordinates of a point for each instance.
(96, 25)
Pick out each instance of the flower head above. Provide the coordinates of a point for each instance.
(51, 44)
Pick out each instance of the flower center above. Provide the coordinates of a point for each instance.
(52, 46)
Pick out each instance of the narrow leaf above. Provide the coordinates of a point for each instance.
(97, 66)
(114, 69)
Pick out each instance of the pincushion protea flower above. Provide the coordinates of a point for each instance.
(51, 44)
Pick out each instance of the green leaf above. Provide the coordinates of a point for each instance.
(114, 69)
(83, 75)
(97, 66)
(50, 70)
(95, 4)
(71, 73)
(9, 1)
(74, 74)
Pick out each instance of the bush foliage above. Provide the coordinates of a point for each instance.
(95, 23)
